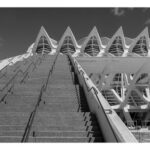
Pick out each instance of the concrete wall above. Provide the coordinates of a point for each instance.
(114, 130)
(114, 64)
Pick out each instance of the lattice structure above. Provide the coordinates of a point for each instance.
(123, 82)
(137, 95)
(136, 99)
(110, 97)
(116, 84)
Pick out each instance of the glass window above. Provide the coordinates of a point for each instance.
(92, 47)
(68, 46)
(43, 46)
(117, 47)
(141, 48)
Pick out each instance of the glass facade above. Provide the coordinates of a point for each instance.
(92, 47)
(68, 46)
(117, 47)
(141, 48)
(43, 46)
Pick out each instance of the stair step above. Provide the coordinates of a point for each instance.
(59, 139)
(47, 128)
(12, 127)
(59, 133)
(60, 117)
(59, 98)
(16, 108)
(10, 139)
(19, 99)
(35, 133)
(12, 133)
(61, 92)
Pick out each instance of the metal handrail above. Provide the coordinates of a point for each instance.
(33, 113)
(5, 67)
(50, 72)
(31, 118)
(95, 93)
(11, 80)
(10, 62)
(24, 73)
(77, 94)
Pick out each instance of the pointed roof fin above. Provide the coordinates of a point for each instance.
(43, 32)
(143, 33)
(119, 33)
(68, 32)
(94, 32)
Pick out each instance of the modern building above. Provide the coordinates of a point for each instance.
(95, 89)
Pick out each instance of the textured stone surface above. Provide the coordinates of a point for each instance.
(62, 115)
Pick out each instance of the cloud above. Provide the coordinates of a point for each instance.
(118, 11)
(121, 11)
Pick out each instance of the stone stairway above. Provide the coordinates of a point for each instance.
(62, 115)
(17, 105)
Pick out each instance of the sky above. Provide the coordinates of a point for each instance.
(20, 26)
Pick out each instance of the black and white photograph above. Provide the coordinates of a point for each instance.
(74, 74)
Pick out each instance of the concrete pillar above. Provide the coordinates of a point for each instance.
(128, 117)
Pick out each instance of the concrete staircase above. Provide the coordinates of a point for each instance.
(17, 104)
(62, 114)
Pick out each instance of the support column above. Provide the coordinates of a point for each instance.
(147, 117)
(127, 116)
